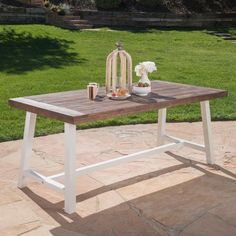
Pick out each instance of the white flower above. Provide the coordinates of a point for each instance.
(145, 67)
(64, 6)
(140, 69)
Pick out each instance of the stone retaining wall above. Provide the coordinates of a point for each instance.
(18, 15)
(32, 2)
(142, 19)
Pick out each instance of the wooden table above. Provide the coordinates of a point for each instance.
(74, 108)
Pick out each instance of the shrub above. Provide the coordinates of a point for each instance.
(149, 3)
(53, 8)
(108, 4)
(128, 4)
(47, 4)
(61, 12)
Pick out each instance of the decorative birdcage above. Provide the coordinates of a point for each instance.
(119, 71)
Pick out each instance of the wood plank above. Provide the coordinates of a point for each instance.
(43, 109)
(74, 107)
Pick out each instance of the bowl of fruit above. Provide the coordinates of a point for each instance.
(119, 94)
(143, 89)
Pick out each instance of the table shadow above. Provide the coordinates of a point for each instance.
(136, 215)
(149, 99)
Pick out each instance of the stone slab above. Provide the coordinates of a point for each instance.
(169, 194)
(15, 214)
(209, 225)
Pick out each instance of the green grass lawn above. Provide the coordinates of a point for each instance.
(37, 59)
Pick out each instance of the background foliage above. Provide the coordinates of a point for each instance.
(176, 6)
(108, 4)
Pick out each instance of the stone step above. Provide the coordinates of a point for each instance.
(77, 21)
(229, 38)
(71, 17)
(69, 22)
(211, 32)
(223, 34)
(83, 26)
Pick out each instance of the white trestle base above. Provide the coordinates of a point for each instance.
(69, 188)
(186, 143)
(127, 158)
(51, 182)
(45, 180)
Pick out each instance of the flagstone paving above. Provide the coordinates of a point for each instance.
(169, 194)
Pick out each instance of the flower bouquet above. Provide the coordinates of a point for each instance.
(144, 84)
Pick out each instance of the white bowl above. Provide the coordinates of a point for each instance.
(141, 91)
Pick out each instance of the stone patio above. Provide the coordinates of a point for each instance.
(169, 194)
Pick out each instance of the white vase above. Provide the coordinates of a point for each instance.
(144, 79)
(143, 91)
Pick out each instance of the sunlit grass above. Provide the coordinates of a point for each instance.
(54, 60)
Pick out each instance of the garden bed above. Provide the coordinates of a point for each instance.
(173, 6)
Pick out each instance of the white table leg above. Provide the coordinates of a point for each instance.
(206, 121)
(70, 168)
(161, 126)
(30, 122)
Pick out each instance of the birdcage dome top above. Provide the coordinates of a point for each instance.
(119, 71)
